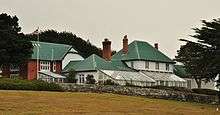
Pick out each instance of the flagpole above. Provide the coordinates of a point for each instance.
(38, 45)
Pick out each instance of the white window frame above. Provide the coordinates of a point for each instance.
(44, 66)
(157, 65)
(132, 64)
(54, 66)
(146, 64)
(167, 67)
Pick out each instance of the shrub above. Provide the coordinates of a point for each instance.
(109, 82)
(90, 79)
(205, 91)
(172, 88)
(71, 78)
(16, 84)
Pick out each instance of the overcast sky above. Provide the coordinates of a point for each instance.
(161, 21)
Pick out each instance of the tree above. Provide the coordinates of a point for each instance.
(202, 58)
(90, 79)
(71, 78)
(14, 49)
(83, 47)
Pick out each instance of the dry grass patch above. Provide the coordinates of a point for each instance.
(56, 103)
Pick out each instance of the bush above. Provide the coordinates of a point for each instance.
(16, 84)
(205, 91)
(109, 82)
(90, 79)
(71, 78)
(172, 88)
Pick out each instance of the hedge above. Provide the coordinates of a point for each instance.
(205, 91)
(36, 85)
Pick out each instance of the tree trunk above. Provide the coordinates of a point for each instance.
(199, 83)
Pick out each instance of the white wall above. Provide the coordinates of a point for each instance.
(140, 65)
(70, 57)
(85, 74)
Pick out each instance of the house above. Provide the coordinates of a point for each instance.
(180, 70)
(137, 63)
(49, 63)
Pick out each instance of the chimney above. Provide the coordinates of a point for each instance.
(125, 44)
(106, 52)
(156, 45)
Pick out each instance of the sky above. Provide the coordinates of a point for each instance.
(153, 21)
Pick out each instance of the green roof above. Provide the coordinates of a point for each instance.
(94, 62)
(71, 65)
(49, 51)
(121, 65)
(140, 50)
(180, 71)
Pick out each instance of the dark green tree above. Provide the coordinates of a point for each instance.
(90, 79)
(14, 49)
(84, 48)
(71, 78)
(202, 58)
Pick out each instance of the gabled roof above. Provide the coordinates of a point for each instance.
(121, 65)
(140, 50)
(94, 62)
(71, 65)
(49, 51)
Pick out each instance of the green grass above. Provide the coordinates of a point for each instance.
(56, 103)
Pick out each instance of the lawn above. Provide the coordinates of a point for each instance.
(57, 103)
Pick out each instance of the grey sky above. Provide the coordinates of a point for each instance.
(162, 21)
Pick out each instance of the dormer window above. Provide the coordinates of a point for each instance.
(167, 67)
(146, 65)
(157, 65)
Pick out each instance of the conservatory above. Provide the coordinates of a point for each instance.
(166, 79)
(131, 77)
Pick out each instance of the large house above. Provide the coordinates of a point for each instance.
(48, 60)
(137, 63)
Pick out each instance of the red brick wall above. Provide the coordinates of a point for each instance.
(32, 69)
(58, 67)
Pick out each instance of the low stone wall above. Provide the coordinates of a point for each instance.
(144, 92)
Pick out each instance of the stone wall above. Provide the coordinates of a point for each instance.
(144, 92)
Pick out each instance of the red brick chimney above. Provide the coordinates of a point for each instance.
(106, 52)
(156, 45)
(125, 44)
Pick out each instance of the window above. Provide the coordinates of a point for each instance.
(157, 66)
(146, 65)
(100, 76)
(44, 66)
(81, 78)
(54, 66)
(14, 68)
(167, 67)
(132, 64)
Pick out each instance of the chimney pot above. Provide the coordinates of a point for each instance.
(156, 45)
(125, 44)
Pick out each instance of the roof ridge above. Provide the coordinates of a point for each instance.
(94, 61)
(136, 47)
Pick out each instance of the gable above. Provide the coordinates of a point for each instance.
(49, 51)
